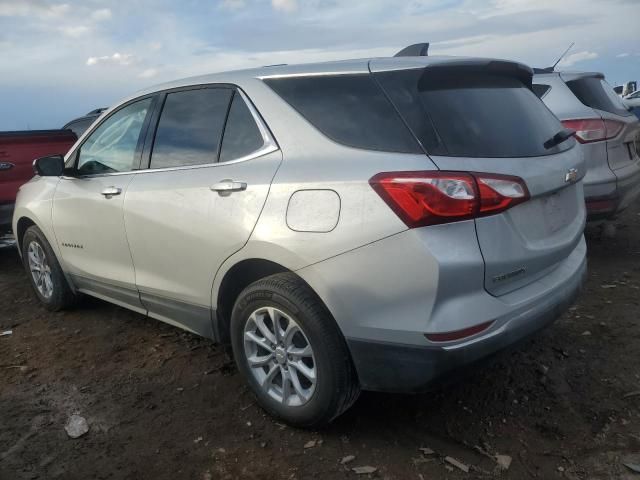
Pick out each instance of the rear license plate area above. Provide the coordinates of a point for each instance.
(554, 211)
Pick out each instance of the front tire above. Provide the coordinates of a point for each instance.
(291, 352)
(46, 276)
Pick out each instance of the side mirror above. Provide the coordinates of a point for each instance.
(51, 166)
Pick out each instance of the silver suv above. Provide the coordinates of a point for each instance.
(369, 224)
(609, 134)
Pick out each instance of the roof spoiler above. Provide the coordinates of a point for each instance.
(415, 50)
(459, 69)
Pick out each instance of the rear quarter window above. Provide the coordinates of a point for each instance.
(596, 93)
(473, 114)
(241, 134)
(349, 109)
(540, 89)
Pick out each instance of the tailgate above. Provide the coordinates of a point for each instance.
(526, 242)
(481, 116)
(18, 150)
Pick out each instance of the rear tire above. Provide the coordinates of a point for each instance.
(298, 365)
(45, 274)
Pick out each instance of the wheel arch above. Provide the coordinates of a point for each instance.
(22, 225)
(235, 280)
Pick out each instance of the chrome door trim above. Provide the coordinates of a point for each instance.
(314, 74)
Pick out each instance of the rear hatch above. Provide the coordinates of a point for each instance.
(481, 116)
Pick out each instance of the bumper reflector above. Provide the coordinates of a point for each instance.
(458, 334)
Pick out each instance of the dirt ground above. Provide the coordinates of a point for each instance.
(164, 404)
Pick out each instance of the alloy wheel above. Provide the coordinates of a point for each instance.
(40, 270)
(280, 356)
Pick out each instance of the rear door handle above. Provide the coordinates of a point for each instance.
(111, 191)
(226, 187)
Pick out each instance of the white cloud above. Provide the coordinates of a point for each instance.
(15, 8)
(122, 59)
(101, 15)
(577, 57)
(285, 5)
(148, 73)
(233, 4)
(75, 30)
(623, 55)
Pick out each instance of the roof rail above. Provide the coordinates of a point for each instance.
(544, 70)
(415, 50)
(97, 111)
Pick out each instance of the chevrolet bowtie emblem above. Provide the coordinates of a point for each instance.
(571, 175)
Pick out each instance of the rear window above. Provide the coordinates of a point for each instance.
(349, 109)
(473, 115)
(594, 92)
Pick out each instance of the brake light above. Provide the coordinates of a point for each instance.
(431, 198)
(590, 130)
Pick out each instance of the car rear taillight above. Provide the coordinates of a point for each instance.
(590, 130)
(432, 198)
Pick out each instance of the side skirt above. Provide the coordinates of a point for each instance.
(196, 319)
(193, 318)
(120, 295)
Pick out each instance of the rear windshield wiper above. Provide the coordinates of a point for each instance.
(562, 136)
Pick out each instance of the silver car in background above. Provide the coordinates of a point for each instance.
(368, 224)
(608, 132)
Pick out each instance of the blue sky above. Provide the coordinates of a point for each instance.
(60, 59)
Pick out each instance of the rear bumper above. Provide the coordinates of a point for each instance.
(626, 189)
(608, 192)
(385, 296)
(408, 368)
(6, 215)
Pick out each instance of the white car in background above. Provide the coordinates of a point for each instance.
(632, 100)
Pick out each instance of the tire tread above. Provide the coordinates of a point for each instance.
(302, 295)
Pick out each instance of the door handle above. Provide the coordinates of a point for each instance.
(111, 191)
(226, 187)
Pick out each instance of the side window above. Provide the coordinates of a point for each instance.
(540, 90)
(349, 109)
(241, 134)
(190, 128)
(112, 146)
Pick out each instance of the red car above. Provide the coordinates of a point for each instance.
(18, 150)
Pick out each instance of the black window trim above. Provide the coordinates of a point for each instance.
(150, 126)
(269, 144)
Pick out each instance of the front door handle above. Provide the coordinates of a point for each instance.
(226, 187)
(111, 191)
